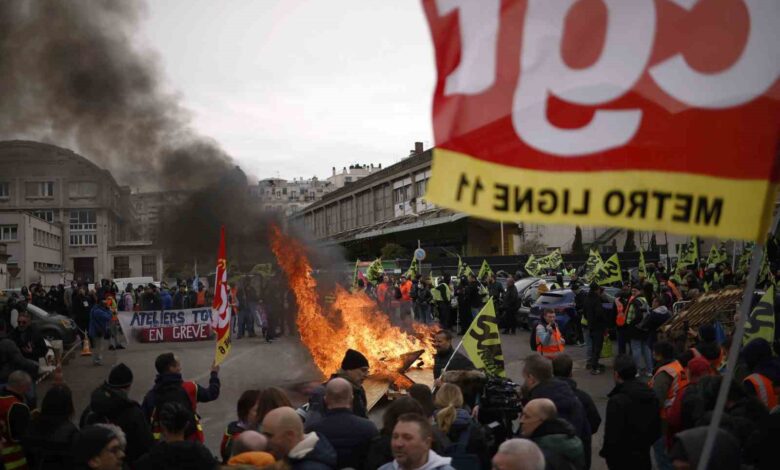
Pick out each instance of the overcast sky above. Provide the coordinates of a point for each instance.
(292, 87)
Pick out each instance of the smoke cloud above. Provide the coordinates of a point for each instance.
(70, 75)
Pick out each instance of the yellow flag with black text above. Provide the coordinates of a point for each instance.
(483, 344)
(642, 266)
(532, 265)
(484, 270)
(593, 263)
(609, 272)
(761, 322)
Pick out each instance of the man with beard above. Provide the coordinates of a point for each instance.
(354, 369)
(442, 341)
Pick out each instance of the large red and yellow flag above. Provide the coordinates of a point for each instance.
(645, 114)
(221, 305)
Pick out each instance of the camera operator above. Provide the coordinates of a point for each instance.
(549, 341)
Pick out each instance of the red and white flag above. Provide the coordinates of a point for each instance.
(221, 306)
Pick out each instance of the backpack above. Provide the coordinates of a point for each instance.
(175, 392)
(461, 459)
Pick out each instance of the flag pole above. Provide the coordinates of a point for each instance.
(736, 345)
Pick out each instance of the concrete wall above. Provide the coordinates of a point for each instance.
(29, 249)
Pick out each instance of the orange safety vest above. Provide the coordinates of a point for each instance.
(192, 392)
(381, 293)
(12, 452)
(679, 380)
(200, 298)
(554, 348)
(764, 389)
(675, 291)
(622, 311)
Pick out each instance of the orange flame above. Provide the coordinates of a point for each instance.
(353, 321)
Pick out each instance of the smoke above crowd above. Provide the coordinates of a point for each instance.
(71, 75)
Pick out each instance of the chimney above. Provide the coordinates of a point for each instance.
(380, 166)
(334, 171)
(344, 169)
(418, 148)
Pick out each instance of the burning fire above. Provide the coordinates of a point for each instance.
(353, 321)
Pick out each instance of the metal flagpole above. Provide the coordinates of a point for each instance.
(736, 345)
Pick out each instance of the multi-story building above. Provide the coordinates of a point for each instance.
(35, 249)
(389, 206)
(351, 174)
(92, 212)
(152, 206)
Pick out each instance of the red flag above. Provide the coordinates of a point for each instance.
(648, 115)
(221, 306)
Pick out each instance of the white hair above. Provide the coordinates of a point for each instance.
(527, 453)
(118, 433)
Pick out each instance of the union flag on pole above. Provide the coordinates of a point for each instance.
(221, 305)
(643, 114)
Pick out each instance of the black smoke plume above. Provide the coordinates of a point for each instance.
(70, 75)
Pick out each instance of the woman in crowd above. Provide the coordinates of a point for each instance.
(51, 433)
(465, 435)
(246, 409)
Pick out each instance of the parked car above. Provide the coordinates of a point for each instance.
(52, 326)
(563, 302)
(528, 292)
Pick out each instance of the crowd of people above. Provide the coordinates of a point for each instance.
(663, 397)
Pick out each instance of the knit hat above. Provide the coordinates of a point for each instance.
(90, 442)
(120, 376)
(353, 360)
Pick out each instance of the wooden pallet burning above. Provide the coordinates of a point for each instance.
(409, 373)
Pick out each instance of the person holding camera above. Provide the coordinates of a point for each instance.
(549, 341)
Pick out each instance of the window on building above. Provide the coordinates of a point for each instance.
(401, 194)
(149, 265)
(8, 233)
(83, 220)
(122, 266)
(5, 190)
(82, 189)
(47, 215)
(39, 189)
(83, 239)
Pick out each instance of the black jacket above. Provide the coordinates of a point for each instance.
(593, 309)
(591, 413)
(566, 402)
(48, 444)
(459, 362)
(11, 359)
(350, 435)
(184, 455)
(632, 425)
(321, 457)
(31, 339)
(111, 405)
(317, 406)
(511, 300)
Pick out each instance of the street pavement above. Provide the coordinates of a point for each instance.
(253, 363)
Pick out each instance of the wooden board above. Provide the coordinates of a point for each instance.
(421, 376)
(375, 389)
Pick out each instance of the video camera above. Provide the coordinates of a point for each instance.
(499, 407)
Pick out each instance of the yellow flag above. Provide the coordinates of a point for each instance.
(483, 344)
(484, 270)
(608, 272)
(532, 266)
(593, 263)
(761, 322)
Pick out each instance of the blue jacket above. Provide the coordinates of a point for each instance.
(167, 300)
(99, 318)
(350, 435)
(566, 402)
(203, 394)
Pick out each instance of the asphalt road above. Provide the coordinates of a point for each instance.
(253, 363)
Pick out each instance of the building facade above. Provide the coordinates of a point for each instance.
(150, 207)
(34, 247)
(64, 189)
(389, 206)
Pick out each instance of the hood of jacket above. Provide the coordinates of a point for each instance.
(109, 401)
(462, 418)
(638, 391)
(313, 449)
(435, 461)
(725, 452)
(559, 436)
(167, 379)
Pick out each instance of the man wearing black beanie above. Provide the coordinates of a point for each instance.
(354, 369)
(110, 403)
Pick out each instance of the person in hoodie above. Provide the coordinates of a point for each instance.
(176, 451)
(453, 419)
(633, 422)
(169, 385)
(166, 299)
(411, 443)
(248, 420)
(51, 433)
(539, 383)
(687, 449)
(110, 403)
(99, 323)
(287, 442)
(562, 369)
(561, 447)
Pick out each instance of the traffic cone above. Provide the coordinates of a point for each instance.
(85, 351)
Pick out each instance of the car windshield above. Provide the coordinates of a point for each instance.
(37, 312)
(549, 298)
(523, 283)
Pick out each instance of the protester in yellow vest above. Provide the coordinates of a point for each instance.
(549, 342)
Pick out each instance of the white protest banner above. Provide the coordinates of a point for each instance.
(167, 326)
